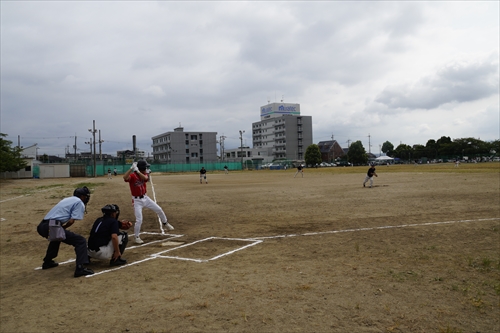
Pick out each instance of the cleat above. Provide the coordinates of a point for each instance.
(138, 240)
(118, 262)
(82, 271)
(168, 226)
(49, 264)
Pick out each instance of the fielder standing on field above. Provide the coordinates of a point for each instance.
(369, 175)
(203, 175)
(299, 169)
(137, 177)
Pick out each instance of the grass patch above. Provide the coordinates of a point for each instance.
(89, 185)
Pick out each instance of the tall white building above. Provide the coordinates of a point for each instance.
(283, 131)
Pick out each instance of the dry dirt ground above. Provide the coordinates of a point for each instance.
(262, 251)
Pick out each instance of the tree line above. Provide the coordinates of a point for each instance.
(444, 147)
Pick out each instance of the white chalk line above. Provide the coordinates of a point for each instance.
(259, 240)
(375, 228)
(252, 243)
(129, 248)
(154, 198)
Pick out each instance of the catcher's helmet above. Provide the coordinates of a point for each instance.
(82, 191)
(110, 208)
(142, 165)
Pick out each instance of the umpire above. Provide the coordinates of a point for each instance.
(66, 212)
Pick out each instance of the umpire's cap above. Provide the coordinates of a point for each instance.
(82, 191)
(142, 165)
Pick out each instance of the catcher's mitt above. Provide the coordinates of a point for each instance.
(124, 224)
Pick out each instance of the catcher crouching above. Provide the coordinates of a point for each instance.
(106, 241)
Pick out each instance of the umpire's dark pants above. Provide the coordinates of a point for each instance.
(79, 242)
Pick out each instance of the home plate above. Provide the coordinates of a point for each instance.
(171, 243)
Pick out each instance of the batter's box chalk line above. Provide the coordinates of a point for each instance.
(159, 254)
(254, 241)
(251, 242)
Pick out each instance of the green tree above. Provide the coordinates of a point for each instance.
(403, 152)
(431, 148)
(387, 148)
(357, 153)
(10, 158)
(419, 151)
(494, 147)
(313, 155)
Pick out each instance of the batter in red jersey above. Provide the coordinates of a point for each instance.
(137, 177)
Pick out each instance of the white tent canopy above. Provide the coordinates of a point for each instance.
(384, 158)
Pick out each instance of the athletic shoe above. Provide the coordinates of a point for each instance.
(168, 226)
(49, 264)
(82, 271)
(119, 261)
(364, 185)
(138, 240)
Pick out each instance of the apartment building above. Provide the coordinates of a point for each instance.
(185, 147)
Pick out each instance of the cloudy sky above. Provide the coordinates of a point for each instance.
(403, 72)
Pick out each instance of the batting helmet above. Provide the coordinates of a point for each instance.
(82, 192)
(142, 165)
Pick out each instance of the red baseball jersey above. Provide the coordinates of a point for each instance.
(137, 185)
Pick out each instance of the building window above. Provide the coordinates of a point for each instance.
(194, 137)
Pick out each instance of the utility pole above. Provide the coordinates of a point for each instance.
(90, 144)
(241, 147)
(222, 147)
(93, 131)
(369, 144)
(333, 149)
(100, 141)
(74, 146)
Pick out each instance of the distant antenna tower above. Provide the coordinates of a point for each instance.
(268, 100)
(282, 98)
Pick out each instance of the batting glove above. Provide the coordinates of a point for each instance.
(134, 166)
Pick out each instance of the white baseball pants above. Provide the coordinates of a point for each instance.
(145, 202)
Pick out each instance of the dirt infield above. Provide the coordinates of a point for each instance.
(262, 251)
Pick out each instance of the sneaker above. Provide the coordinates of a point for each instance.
(138, 240)
(119, 261)
(168, 226)
(49, 264)
(82, 271)
(364, 185)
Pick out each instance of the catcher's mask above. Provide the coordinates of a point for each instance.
(142, 165)
(111, 208)
(82, 192)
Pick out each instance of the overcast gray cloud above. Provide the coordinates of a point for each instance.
(395, 71)
(454, 83)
